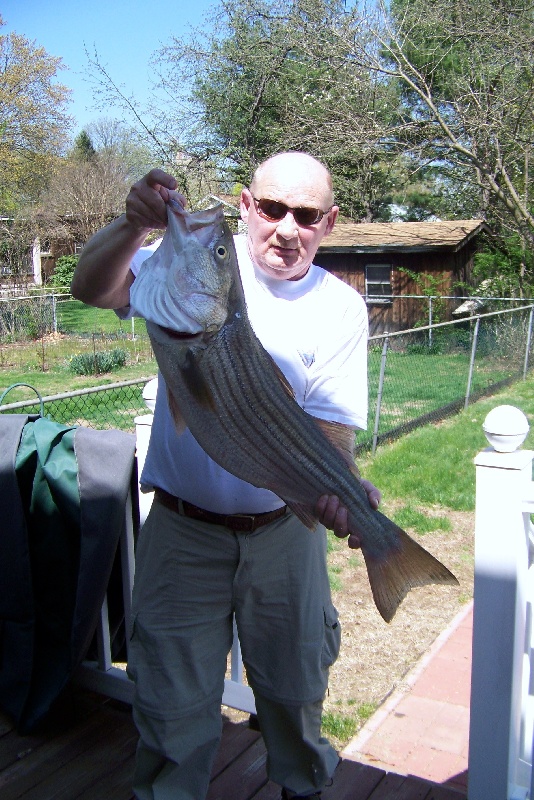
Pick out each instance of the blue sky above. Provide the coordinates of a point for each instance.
(125, 34)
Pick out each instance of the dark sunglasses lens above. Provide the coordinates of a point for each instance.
(307, 216)
(272, 209)
(275, 211)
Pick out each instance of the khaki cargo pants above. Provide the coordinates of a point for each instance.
(191, 577)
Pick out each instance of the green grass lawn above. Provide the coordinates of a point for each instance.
(434, 464)
(422, 383)
(75, 317)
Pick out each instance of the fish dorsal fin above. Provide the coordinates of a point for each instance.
(342, 437)
(197, 387)
(306, 516)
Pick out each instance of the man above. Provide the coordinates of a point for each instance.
(194, 569)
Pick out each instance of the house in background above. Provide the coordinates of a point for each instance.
(371, 256)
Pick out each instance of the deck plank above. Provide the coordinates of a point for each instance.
(244, 777)
(66, 761)
(89, 755)
(445, 793)
(237, 738)
(354, 781)
(399, 787)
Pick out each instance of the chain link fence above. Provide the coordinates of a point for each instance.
(23, 318)
(428, 373)
(416, 376)
(43, 313)
(115, 405)
(44, 332)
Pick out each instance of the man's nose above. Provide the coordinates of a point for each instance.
(287, 227)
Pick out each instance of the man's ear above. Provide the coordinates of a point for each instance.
(332, 216)
(244, 204)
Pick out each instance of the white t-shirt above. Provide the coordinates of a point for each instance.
(316, 330)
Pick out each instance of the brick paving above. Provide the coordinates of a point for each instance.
(423, 728)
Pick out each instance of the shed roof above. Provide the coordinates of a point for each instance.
(377, 237)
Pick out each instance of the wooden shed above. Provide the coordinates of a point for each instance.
(371, 257)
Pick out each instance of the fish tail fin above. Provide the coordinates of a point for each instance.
(408, 565)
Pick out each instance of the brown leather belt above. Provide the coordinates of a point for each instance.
(240, 523)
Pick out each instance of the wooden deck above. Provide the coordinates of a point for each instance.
(87, 753)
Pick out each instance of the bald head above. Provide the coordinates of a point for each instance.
(282, 245)
(297, 168)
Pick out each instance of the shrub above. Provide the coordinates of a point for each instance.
(98, 362)
(61, 278)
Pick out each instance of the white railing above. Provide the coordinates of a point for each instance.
(102, 675)
(502, 686)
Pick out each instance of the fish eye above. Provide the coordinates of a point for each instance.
(221, 251)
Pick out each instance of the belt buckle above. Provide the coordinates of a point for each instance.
(241, 523)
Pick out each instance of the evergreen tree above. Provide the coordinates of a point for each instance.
(83, 149)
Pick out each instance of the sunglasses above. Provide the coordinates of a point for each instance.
(274, 211)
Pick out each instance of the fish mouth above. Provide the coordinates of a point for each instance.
(179, 334)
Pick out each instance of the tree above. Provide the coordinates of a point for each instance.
(263, 81)
(90, 184)
(33, 123)
(83, 149)
(16, 238)
(114, 137)
(83, 196)
(63, 272)
(429, 106)
(465, 71)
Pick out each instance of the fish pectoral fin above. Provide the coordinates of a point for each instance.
(197, 384)
(176, 414)
(406, 566)
(342, 437)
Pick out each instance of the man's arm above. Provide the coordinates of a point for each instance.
(102, 277)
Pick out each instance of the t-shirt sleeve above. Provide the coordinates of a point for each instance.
(337, 386)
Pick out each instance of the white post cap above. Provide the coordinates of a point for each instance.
(506, 428)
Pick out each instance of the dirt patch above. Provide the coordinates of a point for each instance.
(376, 656)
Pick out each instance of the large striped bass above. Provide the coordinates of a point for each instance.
(227, 389)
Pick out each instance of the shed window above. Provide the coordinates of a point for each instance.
(378, 283)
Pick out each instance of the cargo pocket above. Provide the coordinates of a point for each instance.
(332, 637)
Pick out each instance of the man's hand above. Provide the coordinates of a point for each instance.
(334, 516)
(146, 203)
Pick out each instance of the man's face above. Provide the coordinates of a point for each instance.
(284, 249)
